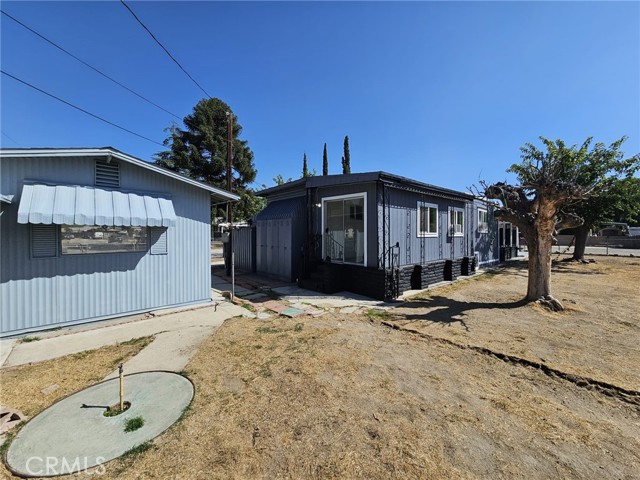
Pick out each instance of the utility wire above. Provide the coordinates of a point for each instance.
(6, 135)
(87, 65)
(81, 109)
(163, 47)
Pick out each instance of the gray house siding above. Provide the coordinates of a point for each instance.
(41, 292)
(403, 225)
(280, 238)
(485, 244)
(399, 255)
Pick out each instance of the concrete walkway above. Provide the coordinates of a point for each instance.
(176, 337)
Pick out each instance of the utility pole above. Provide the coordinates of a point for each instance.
(229, 186)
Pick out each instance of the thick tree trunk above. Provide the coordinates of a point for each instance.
(582, 233)
(539, 281)
(539, 267)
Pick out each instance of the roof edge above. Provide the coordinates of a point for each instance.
(112, 152)
(326, 180)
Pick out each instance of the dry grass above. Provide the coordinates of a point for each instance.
(595, 337)
(22, 386)
(271, 402)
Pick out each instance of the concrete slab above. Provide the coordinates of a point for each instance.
(221, 285)
(62, 345)
(292, 312)
(186, 308)
(67, 438)
(274, 305)
(6, 346)
(293, 294)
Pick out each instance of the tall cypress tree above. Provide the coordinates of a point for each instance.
(325, 161)
(305, 168)
(346, 159)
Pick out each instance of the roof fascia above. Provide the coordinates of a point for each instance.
(110, 152)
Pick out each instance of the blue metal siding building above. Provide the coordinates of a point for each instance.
(381, 234)
(94, 233)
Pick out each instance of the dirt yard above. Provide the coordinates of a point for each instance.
(350, 397)
(596, 337)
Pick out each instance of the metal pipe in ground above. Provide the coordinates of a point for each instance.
(121, 371)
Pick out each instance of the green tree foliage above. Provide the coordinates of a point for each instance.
(346, 159)
(613, 190)
(325, 161)
(199, 150)
(248, 206)
(279, 180)
(305, 167)
(551, 187)
(626, 201)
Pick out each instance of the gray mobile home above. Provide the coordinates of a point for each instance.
(373, 233)
(89, 234)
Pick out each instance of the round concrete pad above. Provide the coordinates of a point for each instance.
(67, 438)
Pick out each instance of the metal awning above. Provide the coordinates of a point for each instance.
(79, 205)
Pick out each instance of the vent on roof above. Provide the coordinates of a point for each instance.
(107, 174)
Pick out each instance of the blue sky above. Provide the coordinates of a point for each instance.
(445, 93)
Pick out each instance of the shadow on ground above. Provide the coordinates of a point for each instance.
(573, 267)
(447, 311)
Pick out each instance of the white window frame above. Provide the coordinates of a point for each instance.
(452, 226)
(350, 196)
(419, 232)
(483, 227)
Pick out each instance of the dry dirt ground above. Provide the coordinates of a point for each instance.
(350, 397)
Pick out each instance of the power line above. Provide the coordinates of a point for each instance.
(163, 47)
(88, 65)
(10, 138)
(81, 109)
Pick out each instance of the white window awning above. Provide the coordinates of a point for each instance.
(79, 205)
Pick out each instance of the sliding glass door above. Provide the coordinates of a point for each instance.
(344, 232)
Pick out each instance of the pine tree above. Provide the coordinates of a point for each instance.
(346, 160)
(200, 151)
(325, 161)
(305, 168)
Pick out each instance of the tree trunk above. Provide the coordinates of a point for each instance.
(539, 280)
(539, 248)
(582, 233)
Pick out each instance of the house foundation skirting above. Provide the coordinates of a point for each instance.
(335, 277)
